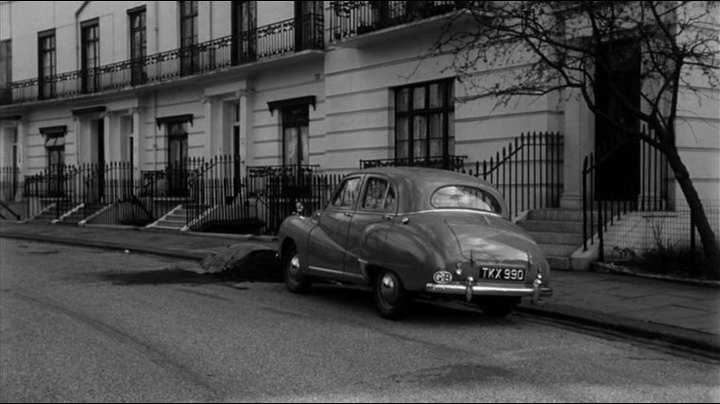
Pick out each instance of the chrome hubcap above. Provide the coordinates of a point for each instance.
(294, 266)
(388, 290)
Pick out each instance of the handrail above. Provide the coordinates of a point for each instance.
(527, 171)
(12, 212)
(599, 212)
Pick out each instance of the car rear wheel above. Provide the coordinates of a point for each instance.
(390, 298)
(295, 281)
(498, 307)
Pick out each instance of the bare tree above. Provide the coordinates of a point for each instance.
(543, 47)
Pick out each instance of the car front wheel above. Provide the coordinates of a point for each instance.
(295, 281)
(390, 298)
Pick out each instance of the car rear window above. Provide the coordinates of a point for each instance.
(464, 197)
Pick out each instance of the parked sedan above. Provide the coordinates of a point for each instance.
(415, 232)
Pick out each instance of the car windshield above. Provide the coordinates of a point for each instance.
(464, 197)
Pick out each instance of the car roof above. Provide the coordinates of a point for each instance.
(414, 181)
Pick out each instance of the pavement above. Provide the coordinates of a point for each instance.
(673, 312)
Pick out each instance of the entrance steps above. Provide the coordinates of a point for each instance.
(55, 211)
(176, 218)
(558, 232)
(81, 213)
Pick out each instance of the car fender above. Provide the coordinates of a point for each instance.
(416, 247)
(295, 229)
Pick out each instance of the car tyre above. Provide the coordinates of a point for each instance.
(295, 281)
(497, 307)
(389, 295)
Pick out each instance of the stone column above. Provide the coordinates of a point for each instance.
(578, 142)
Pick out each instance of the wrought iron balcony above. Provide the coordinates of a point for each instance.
(273, 40)
(352, 18)
(449, 162)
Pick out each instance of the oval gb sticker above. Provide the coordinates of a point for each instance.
(442, 277)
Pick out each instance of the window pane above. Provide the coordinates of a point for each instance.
(436, 149)
(436, 95)
(451, 133)
(375, 193)
(436, 126)
(419, 98)
(347, 194)
(389, 203)
(419, 136)
(304, 145)
(403, 128)
(402, 98)
(402, 150)
(465, 198)
(291, 146)
(419, 150)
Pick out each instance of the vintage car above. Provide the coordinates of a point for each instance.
(415, 232)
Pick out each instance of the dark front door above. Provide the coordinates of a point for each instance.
(100, 172)
(56, 166)
(618, 94)
(177, 175)
(237, 184)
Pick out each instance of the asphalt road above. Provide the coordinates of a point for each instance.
(81, 324)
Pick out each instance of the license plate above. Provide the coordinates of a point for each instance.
(502, 274)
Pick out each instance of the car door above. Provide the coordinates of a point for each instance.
(328, 240)
(369, 225)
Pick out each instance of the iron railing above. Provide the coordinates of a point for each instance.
(217, 197)
(449, 162)
(600, 212)
(10, 183)
(268, 41)
(528, 171)
(86, 189)
(352, 18)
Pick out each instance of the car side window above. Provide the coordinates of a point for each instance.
(347, 194)
(389, 204)
(379, 195)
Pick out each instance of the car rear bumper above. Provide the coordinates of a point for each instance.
(470, 290)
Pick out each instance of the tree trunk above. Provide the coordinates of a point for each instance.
(707, 236)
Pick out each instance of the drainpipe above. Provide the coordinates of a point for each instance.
(155, 128)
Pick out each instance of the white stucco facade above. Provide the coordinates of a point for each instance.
(353, 84)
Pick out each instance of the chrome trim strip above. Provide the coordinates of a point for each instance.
(439, 210)
(331, 271)
(485, 290)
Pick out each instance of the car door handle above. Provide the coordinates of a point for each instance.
(348, 214)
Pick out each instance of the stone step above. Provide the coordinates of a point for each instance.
(570, 215)
(166, 228)
(558, 250)
(169, 224)
(562, 263)
(555, 226)
(548, 237)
